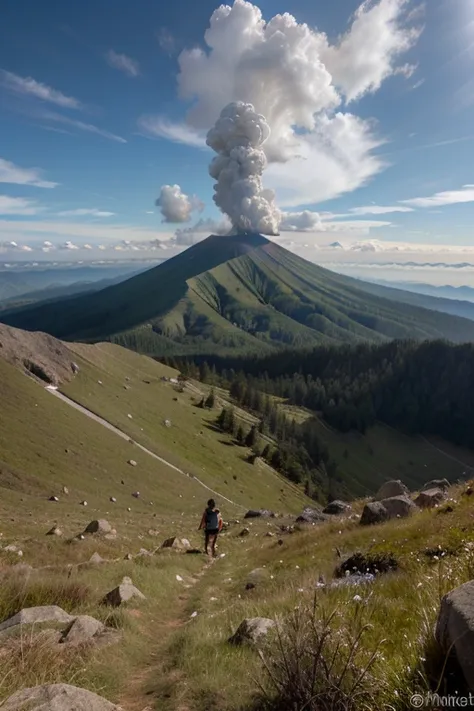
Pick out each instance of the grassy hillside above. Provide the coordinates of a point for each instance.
(236, 294)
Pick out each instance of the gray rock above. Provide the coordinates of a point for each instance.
(179, 544)
(398, 506)
(32, 615)
(57, 697)
(54, 531)
(82, 630)
(65, 491)
(257, 575)
(259, 513)
(455, 628)
(391, 489)
(132, 462)
(123, 593)
(252, 630)
(336, 508)
(310, 515)
(429, 498)
(96, 559)
(374, 512)
(437, 484)
(101, 527)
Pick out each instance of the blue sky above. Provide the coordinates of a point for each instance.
(92, 126)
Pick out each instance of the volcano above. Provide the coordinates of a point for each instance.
(241, 293)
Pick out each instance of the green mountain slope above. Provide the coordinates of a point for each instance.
(241, 293)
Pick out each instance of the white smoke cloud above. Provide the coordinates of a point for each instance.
(296, 79)
(175, 205)
(188, 236)
(237, 138)
(305, 221)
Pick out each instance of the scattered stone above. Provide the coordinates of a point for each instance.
(153, 532)
(250, 586)
(12, 548)
(129, 417)
(74, 367)
(167, 423)
(54, 531)
(136, 494)
(53, 498)
(96, 559)
(437, 484)
(244, 532)
(429, 498)
(82, 630)
(399, 506)
(83, 503)
(269, 534)
(310, 515)
(57, 697)
(65, 491)
(455, 628)
(123, 593)
(260, 513)
(113, 500)
(180, 544)
(391, 489)
(132, 462)
(129, 509)
(252, 630)
(33, 615)
(128, 556)
(361, 564)
(336, 508)
(101, 527)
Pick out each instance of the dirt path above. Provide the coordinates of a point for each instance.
(51, 389)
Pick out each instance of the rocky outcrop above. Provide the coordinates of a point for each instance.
(393, 507)
(57, 697)
(429, 498)
(82, 630)
(374, 512)
(34, 615)
(391, 489)
(437, 484)
(123, 593)
(310, 515)
(252, 630)
(455, 628)
(337, 508)
(101, 527)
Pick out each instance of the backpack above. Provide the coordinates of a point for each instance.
(212, 520)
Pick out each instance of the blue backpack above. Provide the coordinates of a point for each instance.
(212, 520)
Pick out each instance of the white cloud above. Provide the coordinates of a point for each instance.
(447, 197)
(379, 209)
(315, 154)
(202, 229)
(159, 127)
(81, 126)
(18, 206)
(85, 212)
(123, 63)
(11, 173)
(90, 232)
(29, 87)
(176, 206)
(305, 221)
(167, 40)
(14, 247)
(367, 53)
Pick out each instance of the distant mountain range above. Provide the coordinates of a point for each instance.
(237, 294)
(463, 293)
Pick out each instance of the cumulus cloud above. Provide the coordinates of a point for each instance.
(176, 206)
(30, 87)
(294, 78)
(11, 173)
(447, 197)
(18, 206)
(123, 63)
(85, 212)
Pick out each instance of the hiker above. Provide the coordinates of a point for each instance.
(212, 523)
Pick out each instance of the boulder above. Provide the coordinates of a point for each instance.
(455, 628)
(256, 576)
(57, 697)
(123, 593)
(32, 615)
(336, 508)
(374, 512)
(252, 630)
(101, 527)
(437, 484)
(96, 559)
(391, 489)
(259, 513)
(429, 498)
(82, 630)
(398, 506)
(178, 544)
(310, 515)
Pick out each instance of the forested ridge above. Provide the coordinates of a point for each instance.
(419, 388)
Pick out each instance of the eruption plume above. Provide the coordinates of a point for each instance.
(237, 138)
